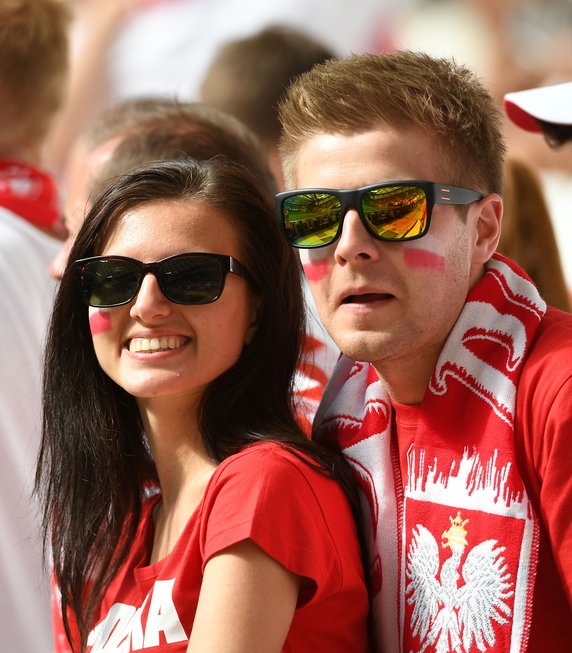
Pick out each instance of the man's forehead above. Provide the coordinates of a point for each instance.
(363, 158)
(383, 135)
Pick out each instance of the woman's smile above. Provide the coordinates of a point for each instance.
(156, 344)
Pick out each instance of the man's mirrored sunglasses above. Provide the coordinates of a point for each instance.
(392, 211)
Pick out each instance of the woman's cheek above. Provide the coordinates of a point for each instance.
(99, 320)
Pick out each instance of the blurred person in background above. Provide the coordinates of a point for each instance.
(125, 49)
(33, 75)
(527, 235)
(174, 129)
(547, 110)
(248, 77)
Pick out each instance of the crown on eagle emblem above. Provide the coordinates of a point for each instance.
(455, 536)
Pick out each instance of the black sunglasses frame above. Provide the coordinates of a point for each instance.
(352, 198)
(227, 264)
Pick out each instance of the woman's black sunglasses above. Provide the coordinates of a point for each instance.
(193, 278)
(391, 211)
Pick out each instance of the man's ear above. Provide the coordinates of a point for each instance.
(487, 221)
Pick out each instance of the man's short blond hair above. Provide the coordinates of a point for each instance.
(400, 89)
(34, 44)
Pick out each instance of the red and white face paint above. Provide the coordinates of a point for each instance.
(316, 263)
(99, 320)
(427, 253)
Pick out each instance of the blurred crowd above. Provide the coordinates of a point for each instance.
(137, 48)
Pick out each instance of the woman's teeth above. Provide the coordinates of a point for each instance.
(156, 344)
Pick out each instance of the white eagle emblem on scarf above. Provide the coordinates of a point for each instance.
(447, 616)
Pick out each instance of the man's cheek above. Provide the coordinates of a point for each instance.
(99, 321)
(425, 253)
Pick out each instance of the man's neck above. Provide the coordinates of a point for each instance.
(406, 380)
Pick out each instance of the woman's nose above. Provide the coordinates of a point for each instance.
(150, 303)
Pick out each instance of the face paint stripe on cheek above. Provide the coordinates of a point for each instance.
(316, 270)
(421, 258)
(99, 321)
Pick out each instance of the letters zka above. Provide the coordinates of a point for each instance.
(128, 628)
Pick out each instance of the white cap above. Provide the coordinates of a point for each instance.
(551, 104)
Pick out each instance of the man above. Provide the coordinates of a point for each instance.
(134, 48)
(33, 76)
(546, 109)
(453, 399)
(132, 132)
(248, 77)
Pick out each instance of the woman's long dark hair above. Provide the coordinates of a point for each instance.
(94, 463)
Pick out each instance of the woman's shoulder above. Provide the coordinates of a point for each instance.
(269, 449)
(268, 472)
(282, 500)
(271, 459)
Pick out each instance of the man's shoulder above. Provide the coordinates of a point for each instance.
(552, 343)
(547, 370)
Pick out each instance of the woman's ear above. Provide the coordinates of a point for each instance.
(487, 221)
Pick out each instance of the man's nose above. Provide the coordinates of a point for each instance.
(355, 241)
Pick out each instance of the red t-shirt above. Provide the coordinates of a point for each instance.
(299, 517)
(543, 436)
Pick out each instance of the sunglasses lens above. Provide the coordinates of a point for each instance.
(311, 219)
(396, 212)
(109, 282)
(192, 279)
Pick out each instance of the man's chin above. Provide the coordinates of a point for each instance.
(365, 347)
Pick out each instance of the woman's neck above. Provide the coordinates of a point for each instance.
(176, 446)
(182, 465)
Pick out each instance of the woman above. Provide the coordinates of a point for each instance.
(528, 236)
(185, 509)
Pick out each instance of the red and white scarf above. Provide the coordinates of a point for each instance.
(454, 543)
(29, 193)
